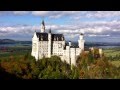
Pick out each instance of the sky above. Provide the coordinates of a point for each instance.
(97, 26)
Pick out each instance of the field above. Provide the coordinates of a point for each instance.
(113, 55)
(112, 52)
(116, 63)
(16, 51)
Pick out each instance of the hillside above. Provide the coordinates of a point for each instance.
(10, 41)
(87, 44)
(6, 41)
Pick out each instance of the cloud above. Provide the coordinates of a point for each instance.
(41, 13)
(100, 14)
(73, 14)
(17, 31)
(5, 12)
(54, 14)
(100, 27)
(20, 12)
(93, 35)
(96, 16)
(96, 29)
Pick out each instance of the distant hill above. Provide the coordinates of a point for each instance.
(102, 44)
(10, 41)
(87, 44)
(6, 41)
(92, 44)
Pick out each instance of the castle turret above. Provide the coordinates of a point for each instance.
(81, 41)
(43, 27)
(69, 43)
(49, 43)
(81, 36)
(100, 52)
(35, 46)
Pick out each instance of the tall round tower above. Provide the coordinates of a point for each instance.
(81, 36)
(81, 41)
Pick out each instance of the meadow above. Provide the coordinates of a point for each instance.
(112, 52)
(113, 55)
(16, 51)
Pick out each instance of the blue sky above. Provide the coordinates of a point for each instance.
(97, 26)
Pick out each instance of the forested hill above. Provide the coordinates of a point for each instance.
(10, 41)
(98, 44)
(6, 41)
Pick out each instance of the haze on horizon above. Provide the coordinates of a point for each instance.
(98, 26)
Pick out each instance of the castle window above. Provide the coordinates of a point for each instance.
(41, 38)
(54, 38)
(62, 38)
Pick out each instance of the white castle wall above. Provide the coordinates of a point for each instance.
(43, 48)
(67, 54)
(35, 46)
(73, 56)
(49, 45)
(57, 47)
(49, 48)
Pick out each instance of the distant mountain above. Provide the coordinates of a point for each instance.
(6, 41)
(102, 44)
(10, 41)
(87, 44)
(93, 44)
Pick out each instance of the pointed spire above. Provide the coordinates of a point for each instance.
(50, 30)
(81, 34)
(43, 26)
(43, 22)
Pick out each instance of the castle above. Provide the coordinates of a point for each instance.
(48, 44)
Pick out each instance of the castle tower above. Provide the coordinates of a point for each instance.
(43, 27)
(49, 43)
(35, 46)
(69, 43)
(81, 41)
(100, 52)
